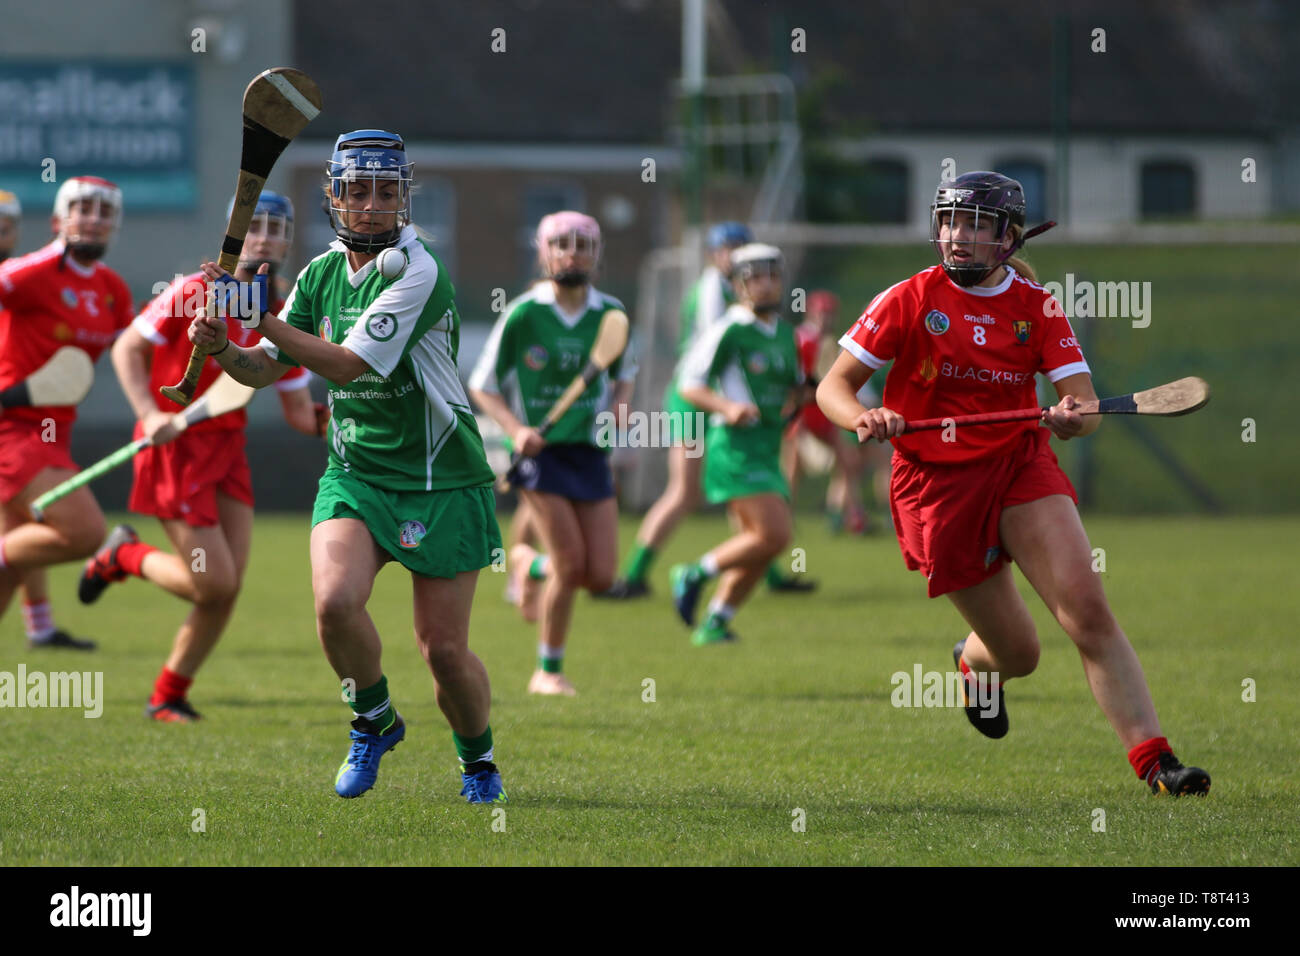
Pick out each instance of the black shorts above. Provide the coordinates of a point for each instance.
(576, 472)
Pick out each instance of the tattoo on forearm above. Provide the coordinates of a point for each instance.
(251, 364)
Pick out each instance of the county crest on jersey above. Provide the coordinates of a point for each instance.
(406, 424)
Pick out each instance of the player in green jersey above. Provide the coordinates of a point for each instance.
(407, 479)
(742, 371)
(538, 346)
(705, 304)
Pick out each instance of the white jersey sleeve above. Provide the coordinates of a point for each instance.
(484, 377)
(382, 335)
(712, 302)
(698, 361)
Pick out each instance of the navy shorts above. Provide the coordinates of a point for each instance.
(576, 472)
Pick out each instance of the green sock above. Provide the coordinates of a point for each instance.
(773, 574)
(471, 749)
(637, 565)
(552, 665)
(376, 706)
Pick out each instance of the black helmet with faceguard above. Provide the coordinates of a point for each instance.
(984, 194)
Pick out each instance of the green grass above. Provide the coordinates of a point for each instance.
(1225, 313)
(796, 716)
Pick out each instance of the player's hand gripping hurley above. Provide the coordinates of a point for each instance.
(1176, 398)
(611, 340)
(278, 105)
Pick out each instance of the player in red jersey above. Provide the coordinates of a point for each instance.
(196, 482)
(57, 296)
(38, 616)
(815, 340)
(11, 212)
(966, 336)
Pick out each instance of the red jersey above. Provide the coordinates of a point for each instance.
(49, 300)
(963, 351)
(165, 322)
(808, 341)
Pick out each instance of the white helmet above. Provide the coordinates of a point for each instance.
(104, 194)
(744, 259)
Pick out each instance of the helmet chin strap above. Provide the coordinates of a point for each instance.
(88, 250)
(966, 276)
(368, 242)
(570, 278)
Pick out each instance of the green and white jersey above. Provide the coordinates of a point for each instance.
(745, 359)
(535, 351)
(405, 425)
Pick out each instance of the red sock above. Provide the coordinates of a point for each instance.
(131, 556)
(967, 672)
(169, 686)
(1145, 755)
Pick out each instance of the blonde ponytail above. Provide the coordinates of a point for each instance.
(1020, 265)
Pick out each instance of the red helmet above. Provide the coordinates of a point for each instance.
(822, 300)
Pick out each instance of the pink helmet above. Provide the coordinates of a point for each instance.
(567, 223)
(565, 229)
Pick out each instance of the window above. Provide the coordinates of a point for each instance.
(1032, 175)
(1168, 189)
(884, 190)
(840, 190)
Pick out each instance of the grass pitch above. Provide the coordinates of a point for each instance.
(739, 745)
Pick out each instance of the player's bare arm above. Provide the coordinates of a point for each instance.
(335, 363)
(527, 440)
(1061, 418)
(707, 400)
(838, 397)
(251, 367)
(620, 401)
(131, 355)
(800, 395)
(301, 413)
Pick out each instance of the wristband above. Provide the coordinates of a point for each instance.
(222, 349)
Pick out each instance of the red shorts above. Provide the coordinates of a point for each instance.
(24, 453)
(181, 478)
(946, 516)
